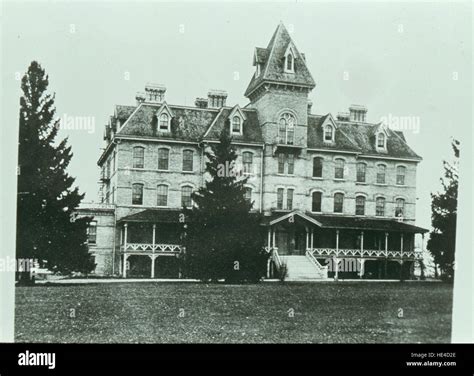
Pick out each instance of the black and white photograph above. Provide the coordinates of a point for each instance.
(237, 172)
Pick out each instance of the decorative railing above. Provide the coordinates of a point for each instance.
(344, 252)
(315, 262)
(151, 248)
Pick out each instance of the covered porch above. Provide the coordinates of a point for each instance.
(348, 247)
(150, 244)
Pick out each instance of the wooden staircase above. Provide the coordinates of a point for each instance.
(304, 268)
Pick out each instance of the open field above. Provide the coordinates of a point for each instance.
(325, 312)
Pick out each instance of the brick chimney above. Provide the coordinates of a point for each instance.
(216, 98)
(201, 102)
(357, 113)
(140, 97)
(155, 92)
(310, 105)
(343, 116)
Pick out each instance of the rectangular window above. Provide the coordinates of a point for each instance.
(317, 167)
(108, 168)
(187, 160)
(401, 175)
(186, 200)
(247, 159)
(92, 232)
(138, 157)
(280, 198)
(162, 195)
(163, 159)
(248, 194)
(400, 207)
(360, 205)
(361, 172)
(114, 157)
(137, 194)
(339, 169)
(380, 207)
(381, 174)
(291, 164)
(338, 202)
(281, 163)
(316, 202)
(289, 198)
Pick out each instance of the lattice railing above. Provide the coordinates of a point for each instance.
(152, 248)
(344, 252)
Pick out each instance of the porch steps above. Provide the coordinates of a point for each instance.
(301, 268)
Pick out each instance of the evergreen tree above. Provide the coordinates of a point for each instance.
(46, 201)
(442, 242)
(223, 239)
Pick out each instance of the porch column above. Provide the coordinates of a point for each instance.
(401, 257)
(336, 259)
(274, 243)
(124, 267)
(312, 238)
(362, 267)
(386, 255)
(422, 242)
(361, 243)
(152, 266)
(269, 240)
(154, 233)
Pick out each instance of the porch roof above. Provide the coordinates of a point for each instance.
(346, 222)
(153, 216)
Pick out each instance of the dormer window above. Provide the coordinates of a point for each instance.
(328, 133)
(164, 122)
(381, 139)
(236, 125)
(289, 61)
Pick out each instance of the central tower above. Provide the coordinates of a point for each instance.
(279, 90)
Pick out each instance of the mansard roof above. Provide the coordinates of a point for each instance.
(363, 134)
(358, 138)
(252, 132)
(315, 136)
(273, 63)
(189, 124)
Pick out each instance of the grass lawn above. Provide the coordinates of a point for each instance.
(268, 312)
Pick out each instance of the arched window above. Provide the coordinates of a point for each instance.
(236, 125)
(338, 202)
(164, 122)
(339, 169)
(162, 195)
(286, 129)
(186, 200)
(381, 174)
(380, 207)
(188, 160)
(328, 133)
(401, 171)
(381, 140)
(400, 207)
(360, 205)
(163, 158)
(316, 202)
(138, 157)
(247, 160)
(137, 194)
(317, 167)
(289, 62)
(361, 167)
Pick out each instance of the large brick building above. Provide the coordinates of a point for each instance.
(330, 187)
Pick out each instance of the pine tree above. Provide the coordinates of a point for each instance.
(442, 242)
(223, 239)
(46, 201)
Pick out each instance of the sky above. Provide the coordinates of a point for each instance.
(401, 60)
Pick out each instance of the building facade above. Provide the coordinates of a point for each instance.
(332, 189)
